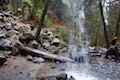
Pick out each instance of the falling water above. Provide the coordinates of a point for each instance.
(78, 50)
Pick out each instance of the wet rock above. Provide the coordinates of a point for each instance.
(38, 60)
(3, 59)
(26, 38)
(29, 58)
(33, 44)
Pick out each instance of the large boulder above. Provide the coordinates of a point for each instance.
(113, 52)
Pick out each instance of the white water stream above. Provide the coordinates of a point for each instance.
(78, 71)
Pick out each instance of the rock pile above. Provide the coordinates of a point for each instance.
(14, 32)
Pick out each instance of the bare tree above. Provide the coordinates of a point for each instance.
(41, 23)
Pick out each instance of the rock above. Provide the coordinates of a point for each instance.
(72, 78)
(46, 35)
(55, 77)
(25, 29)
(3, 59)
(1, 14)
(113, 52)
(1, 18)
(14, 51)
(8, 26)
(10, 33)
(16, 27)
(5, 42)
(38, 60)
(53, 49)
(2, 34)
(26, 38)
(55, 42)
(7, 14)
(33, 44)
(46, 45)
(29, 58)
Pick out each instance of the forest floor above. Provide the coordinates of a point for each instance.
(19, 68)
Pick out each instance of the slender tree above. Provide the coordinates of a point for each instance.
(41, 23)
(118, 24)
(104, 24)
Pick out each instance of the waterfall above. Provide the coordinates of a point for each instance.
(78, 47)
(76, 10)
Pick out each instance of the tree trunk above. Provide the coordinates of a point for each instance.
(118, 24)
(104, 25)
(41, 23)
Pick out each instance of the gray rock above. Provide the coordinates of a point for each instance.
(5, 42)
(3, 59)
(8, 26)
(38, 60)
(29, 58)
(14, 51)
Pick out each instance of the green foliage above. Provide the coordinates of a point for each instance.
(47, 22)
(27, 2)
(63, 33)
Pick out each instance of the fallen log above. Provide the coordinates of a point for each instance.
(24, 50)
(45, 55)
